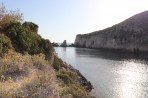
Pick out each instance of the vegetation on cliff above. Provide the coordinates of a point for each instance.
(25, 39)
(29, 68)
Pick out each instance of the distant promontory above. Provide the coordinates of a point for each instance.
(131, 35)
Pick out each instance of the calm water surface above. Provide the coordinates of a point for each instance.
(113, 74)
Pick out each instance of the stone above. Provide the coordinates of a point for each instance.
(64, 44)
(55, 44)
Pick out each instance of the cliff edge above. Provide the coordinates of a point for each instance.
(131, 35)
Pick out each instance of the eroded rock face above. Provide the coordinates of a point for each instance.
(64, 44)
(131, 35)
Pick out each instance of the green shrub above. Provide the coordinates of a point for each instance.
(70, 74)
(30, 25)
(46, 46)
(5, 44)
(22, 37)
(57, 64)
(65, 78)
(25, 38)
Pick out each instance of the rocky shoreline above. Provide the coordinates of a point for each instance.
(81, 79)
(71, 78)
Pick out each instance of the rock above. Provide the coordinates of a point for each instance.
(64, 44)
(130, 35)
(71, 45)
(81, 79)
(55, 44)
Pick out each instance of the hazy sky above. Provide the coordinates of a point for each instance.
(60, 20)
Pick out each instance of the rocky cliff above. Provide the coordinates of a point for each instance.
(131, 35)
(64, 44)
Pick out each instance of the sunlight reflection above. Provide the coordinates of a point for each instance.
(132, 77)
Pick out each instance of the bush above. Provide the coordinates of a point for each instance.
(65, 78)
(46, 46)
(57, 65)
(70, 74)
(5, 44)
(24, 39)
(30, 25)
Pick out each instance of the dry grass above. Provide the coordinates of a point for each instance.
(26, 76)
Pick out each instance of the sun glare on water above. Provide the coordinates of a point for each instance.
(132, 79)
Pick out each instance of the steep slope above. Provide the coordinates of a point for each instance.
(131, 35)
(30, 68)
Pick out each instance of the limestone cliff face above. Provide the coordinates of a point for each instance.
(131, 35)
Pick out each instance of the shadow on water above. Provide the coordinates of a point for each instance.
(111, 54)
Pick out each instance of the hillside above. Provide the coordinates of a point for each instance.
(130, 35)
(29, 66)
